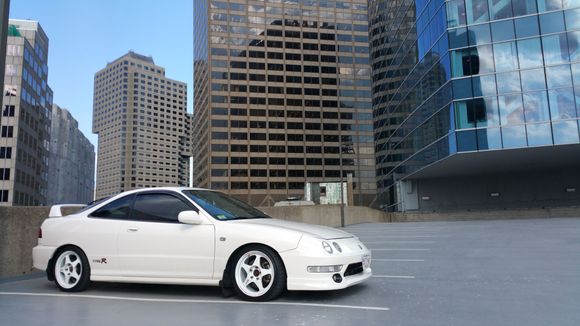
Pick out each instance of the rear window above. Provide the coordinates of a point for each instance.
(93, 204)
(117, 209)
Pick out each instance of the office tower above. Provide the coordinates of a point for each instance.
(71, 172)
(25, 119)
(4, 10)
(476, 103)
(282, 98)
(141, 119)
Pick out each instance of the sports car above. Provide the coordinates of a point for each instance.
(198, 237)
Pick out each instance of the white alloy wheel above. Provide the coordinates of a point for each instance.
(254, 273)
(68, 269)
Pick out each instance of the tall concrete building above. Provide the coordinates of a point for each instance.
(282, 98)
(4, 10)
(476, 103)
(26, 115)
(142, 122)
(71, 172)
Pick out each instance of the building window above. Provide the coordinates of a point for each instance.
(239, 185)
(10, 90)
(257, 160)
(4, 196)
(5, 152)
(7, 131)
(219, 185)
(277, 185)
(4, 174)
(8, 111)
(258, 185)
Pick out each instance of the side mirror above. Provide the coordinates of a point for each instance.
(189, 217)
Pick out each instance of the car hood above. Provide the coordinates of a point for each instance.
(317, 231)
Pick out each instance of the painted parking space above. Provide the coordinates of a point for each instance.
(394, 246)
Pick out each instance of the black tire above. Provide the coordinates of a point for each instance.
(73, 275)
(272, 287)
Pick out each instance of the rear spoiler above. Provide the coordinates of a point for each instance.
(56, 210)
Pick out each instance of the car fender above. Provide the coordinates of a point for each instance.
(230, 237)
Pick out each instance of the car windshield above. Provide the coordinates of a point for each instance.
(222, 206)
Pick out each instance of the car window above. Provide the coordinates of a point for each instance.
(118, 209)
(158, 208)
(93, 204)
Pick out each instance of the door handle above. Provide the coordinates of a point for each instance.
(132, 229)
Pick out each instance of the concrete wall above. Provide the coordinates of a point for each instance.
(529, 213)
(328, 215)
(538, 190)
(18, 235)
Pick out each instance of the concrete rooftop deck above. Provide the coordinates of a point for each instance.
(508, 272)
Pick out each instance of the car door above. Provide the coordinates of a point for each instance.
(155, 244)
(99, 234)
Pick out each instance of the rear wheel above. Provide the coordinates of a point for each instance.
(259, 274)
(71, 270)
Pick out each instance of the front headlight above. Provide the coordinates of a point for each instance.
(327, 247)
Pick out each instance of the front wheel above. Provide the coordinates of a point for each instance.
(259, 274)
(71, 270)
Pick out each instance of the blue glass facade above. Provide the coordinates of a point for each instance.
(463, 76)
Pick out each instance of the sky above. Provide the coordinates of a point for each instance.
(85, 35)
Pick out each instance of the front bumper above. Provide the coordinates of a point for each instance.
(298, 260)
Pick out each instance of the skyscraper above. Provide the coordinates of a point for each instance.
(476, 103)
(282, 98)
(71, 172)
(25, 119)
(4, 9)
(142, 122)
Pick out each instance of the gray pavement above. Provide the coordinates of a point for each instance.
(510, 272)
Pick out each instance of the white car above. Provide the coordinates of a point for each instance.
(199, 237)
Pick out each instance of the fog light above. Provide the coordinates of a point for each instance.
(324, 269)
(337, 278)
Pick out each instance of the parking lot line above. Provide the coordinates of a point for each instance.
(399, 249)
(389, 228)
(395, 259)
(120, 298)
(393, 232)
(398, 241)
(394, 276)
(397, 236)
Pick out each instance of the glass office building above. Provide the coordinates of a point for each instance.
(282, 97)
(472, 98)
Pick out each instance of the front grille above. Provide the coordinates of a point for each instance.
(353, 269)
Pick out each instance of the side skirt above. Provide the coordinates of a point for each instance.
(155, 280)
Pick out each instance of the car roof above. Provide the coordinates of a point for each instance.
(105, 200)
(177, 189)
